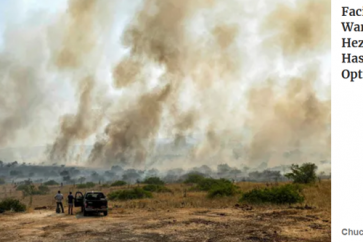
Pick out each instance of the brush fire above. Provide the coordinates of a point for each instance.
(167, 120)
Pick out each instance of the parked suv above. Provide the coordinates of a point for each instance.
(91, 202)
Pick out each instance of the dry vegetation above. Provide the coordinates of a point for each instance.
(182, 215)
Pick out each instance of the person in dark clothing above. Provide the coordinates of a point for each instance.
(70, 203)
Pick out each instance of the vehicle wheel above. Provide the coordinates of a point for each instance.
(85, 213)
(105, 213)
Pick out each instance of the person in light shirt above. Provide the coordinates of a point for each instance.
(59, 198)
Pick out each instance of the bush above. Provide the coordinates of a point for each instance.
(304, 174)
(156, 188)
(118, 183)
(286, 194)
(9, 204)
(153, 180)
(51, 183)
(86, 185)
(2, 181)
(136, 193)
(194, 178)
(222, 189)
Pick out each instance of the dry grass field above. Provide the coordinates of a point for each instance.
(176, 216)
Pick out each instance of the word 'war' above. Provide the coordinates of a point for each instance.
(352, 26)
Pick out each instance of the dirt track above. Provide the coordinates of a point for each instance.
(234, 224)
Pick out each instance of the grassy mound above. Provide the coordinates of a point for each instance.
(44, 189)
(11, 204)
(222, 189)
(194, 178)
(209, 183)
(86, 185)
(136, 193)
(51, 183)
(154, 181)
(286, 194)
(156, 188)
(118, 183)
(214, 187)
(22, 187)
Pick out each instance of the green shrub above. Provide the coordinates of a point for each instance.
(304, 174)
(86, 185)
(222, 189)
(154, 180)
(118, 183)
(156, 188)
(136, 193)
(51, 183)
(2, 181)
(9, 204)
(286, 194)
(194, 178)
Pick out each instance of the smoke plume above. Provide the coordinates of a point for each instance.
(77, 55)
(192, 84)
(78, 126)
(290, 125)
(301, 27)
(161, 35)
(130, 135)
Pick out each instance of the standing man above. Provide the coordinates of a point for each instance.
(70, 203)
(59, 198)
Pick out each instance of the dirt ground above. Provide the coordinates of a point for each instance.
(173, 217)
(231, 224)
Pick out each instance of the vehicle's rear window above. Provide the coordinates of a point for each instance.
(94, 196)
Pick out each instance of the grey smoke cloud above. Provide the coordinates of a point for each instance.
(215, 83)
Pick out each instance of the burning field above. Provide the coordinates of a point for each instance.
(225, 103)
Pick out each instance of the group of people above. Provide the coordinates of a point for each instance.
(59, 200)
